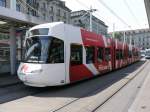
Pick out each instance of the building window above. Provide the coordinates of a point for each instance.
(51, 10)
(65, 15)
(18, 7)
(44, 6)
(76, 55)
(51, 18)
(3, 3)
(58, 12)
(44, 16)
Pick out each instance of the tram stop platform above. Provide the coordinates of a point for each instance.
(7, 79)
(142, 100)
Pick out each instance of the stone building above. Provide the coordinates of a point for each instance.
(139, 37)
(82, 18)
(18, 15)
(49, 10)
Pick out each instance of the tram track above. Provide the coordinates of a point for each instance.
(127, 79)
(76, 97)
(9, 85)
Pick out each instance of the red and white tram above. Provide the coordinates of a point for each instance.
(59, 54)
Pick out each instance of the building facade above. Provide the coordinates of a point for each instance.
(82, 18)
(49, 10)
(18, 15)
(140, 37)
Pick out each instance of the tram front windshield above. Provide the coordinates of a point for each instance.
(43, 49)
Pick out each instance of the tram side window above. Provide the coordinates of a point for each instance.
(117, 55)
(76, 55)
(100, 54)
(89, 55)
(107, 54)
(130, 54)
(56, 53)
(124, 54)
(121, 54)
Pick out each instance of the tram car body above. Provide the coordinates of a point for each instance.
(59, 54)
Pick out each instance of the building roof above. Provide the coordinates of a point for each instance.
(60, 4)
(81, 13)
(133, 31)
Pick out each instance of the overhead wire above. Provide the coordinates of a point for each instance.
(115, 14)
(22, 5)
(98, 15)
(95, 13)
(29, 6)
(82, 4)
(131, 12)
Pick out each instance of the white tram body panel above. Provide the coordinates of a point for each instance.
(41, 75)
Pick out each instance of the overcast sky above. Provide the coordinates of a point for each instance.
(131, 11)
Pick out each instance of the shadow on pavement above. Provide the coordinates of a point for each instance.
(85, 88)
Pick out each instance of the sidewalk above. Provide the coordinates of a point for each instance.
(142, 101)
(8, 79)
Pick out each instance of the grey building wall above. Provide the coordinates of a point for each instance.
(25, 13)
(49, 10)
(140, 37)
(82, 18)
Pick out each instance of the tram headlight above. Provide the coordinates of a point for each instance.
(37, 71)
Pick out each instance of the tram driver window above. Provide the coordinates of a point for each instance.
(76, 55)
(89, 55)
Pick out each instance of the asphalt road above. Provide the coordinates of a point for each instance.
(71, 98)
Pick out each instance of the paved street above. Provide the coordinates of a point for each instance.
(58, 42)
(117, 89)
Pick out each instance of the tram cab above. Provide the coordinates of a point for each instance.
(44, 62)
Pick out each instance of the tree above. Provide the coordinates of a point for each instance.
(118, 36)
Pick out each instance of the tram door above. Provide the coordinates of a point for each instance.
(77, 70)
(76, 57)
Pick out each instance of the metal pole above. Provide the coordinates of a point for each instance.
(12, 50)
(113, 36)
(91, 18)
